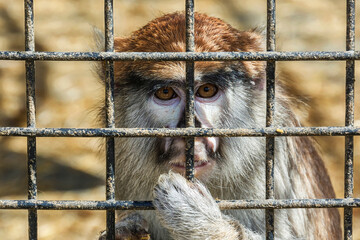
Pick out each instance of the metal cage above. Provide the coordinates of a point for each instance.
(30, 55)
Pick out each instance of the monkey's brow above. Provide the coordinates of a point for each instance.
(223, 78)
(136, 80)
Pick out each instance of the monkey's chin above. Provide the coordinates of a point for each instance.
(201, 168)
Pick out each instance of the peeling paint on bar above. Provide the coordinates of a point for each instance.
(147, 205)
(180, 56)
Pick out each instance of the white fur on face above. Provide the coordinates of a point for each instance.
(170, 113)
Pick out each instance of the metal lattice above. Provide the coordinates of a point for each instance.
(110, 132)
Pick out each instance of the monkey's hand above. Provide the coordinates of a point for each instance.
(188, 211)
(132, 227)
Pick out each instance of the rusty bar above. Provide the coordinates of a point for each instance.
(181, 56)
(110, 118)
(31, 116)
(147, 205)
(189, 109)
(179, 132)
(270, 112)
(349, 117)
(190, 26)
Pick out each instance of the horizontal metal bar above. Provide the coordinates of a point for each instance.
(147, 205)
(180, 56)
(179, 132)
(75, 205)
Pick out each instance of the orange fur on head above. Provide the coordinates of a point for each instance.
(167, 34)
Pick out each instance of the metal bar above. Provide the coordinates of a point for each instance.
(189, 109)
(110, 118)
(270, 113)
(181, 56)
(349, 116)
(31, 116)
(179, 132)
(147, 205)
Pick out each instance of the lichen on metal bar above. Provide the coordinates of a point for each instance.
(31, 116)
(190, 101)
(147, 205)
(110, 118)
(270, 113)
(179, 132)
(190, 132)
(181, 56)
(349, 117)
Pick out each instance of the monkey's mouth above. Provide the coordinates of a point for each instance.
(183, 165)
(200, 167)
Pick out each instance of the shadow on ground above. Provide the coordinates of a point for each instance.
(52, 175)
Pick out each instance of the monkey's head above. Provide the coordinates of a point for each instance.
(152, 94)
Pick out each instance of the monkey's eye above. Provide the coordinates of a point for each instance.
(165, 93)
(207, 90)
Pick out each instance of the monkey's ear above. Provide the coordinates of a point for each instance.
(120, 45)
(99, 46)
(99, 39)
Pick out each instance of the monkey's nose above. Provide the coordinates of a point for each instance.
(210, 143)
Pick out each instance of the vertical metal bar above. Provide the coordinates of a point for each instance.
(349, 116)
(189, 110)
(31, 116)
(110, 118)
(270, 109)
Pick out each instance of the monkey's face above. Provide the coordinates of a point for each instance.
(152, 94)
(165, 104)
(168, 102)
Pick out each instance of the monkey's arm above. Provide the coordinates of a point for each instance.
(188, 211)
(132, 226)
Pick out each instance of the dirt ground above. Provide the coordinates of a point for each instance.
(67, 93)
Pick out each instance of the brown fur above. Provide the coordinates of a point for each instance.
(313, 166)
(309, 164)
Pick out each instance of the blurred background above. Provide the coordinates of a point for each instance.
(68, 93)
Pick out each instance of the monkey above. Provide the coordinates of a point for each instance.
(228, 94)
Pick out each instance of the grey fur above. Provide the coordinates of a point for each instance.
(188, 211)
